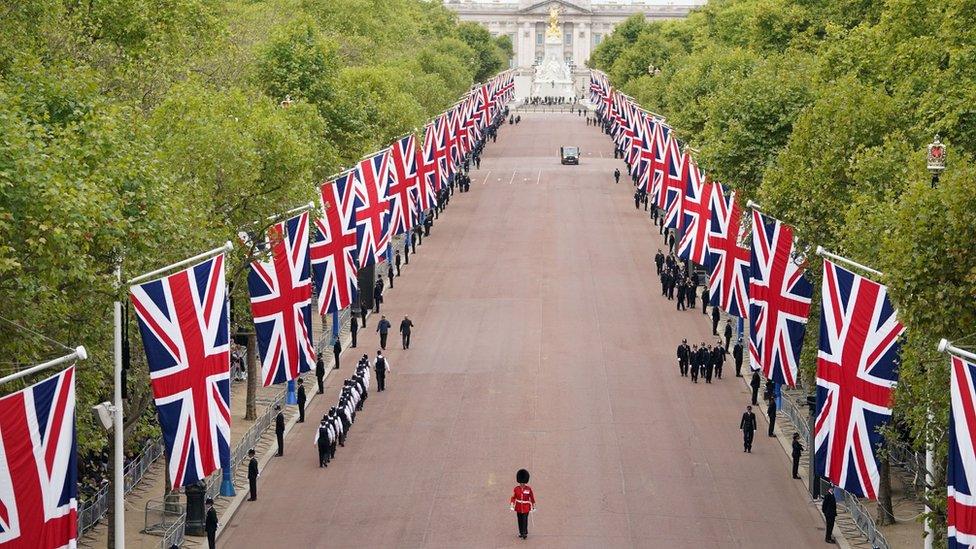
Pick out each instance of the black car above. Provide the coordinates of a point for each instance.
(569, 155)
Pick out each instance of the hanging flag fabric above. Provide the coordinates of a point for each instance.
(696, 213)
(728, 262)
(658, 163)
(442, 151)
(857, 370)
(674, 184)
(427, 171)
(371, 184)
(281, 302)
(779, 300)
(403, 177)
(961, 473)
(333, 253)
(38, 465)
(185, 333)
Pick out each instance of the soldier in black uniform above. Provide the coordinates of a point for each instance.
(737, 355)
(354, 328)
(771, 413)
(695, 364)
(320, 375)
(301, 400)
(755, 383)
(728, 333)
(252, 475)
(797, 452)
(682, 291)
(683, 356)
(715, 317)
(212, 524)
(396, 261)
(280, 430)
(336, 351)
(748, 427)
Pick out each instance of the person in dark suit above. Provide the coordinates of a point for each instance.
(320, 375)
(829, 508)
(728, 333)
(748, 427)
(693, 359)
(212, 524)
(405, 326)
(353, 329)
(718, 357)
(755, 383)
(301, 400)
(280, 430)
(692, 292)
(377, 295)
(383, 327)
(396, 261)
(684, 353)
(252, 475)
(336, 351)
(659, 260)
(709, 362)
(363, 310)
(737, 355)
(797, 452)
(715, 318)
(704, 296)
(771, 413)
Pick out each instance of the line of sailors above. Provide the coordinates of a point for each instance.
(335, 425)
(701, 360)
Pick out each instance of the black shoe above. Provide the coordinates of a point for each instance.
(797, 478)
(252, 499)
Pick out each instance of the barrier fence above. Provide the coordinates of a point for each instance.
(95, 508)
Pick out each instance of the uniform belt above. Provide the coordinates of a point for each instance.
(523, 501)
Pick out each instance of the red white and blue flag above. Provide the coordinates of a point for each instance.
(674, 184)
(779, 300)
(38, 467)
(371, 180)
(442, 150)
(333, 252)
(403, 178)
(185, 333)
(281, 302)
(961, 474)
(657, 166)
(857, 370)
(696, 213)
(728, 262)
(427, 171)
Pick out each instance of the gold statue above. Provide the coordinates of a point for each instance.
(553, 30)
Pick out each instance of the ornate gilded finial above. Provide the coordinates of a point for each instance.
(553, 29)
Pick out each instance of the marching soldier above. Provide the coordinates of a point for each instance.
(695, 364)
(522, 502)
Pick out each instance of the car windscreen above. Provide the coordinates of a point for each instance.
(570, 151)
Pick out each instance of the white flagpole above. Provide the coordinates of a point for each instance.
(79, 354)
(300, 209)
(824, 253)
(754, 206)
(946, 346)
(227, 247)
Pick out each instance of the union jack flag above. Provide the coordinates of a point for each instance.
(857, 370)
(696, 213)
(779, 300)
(427, 170)
(333, 253)
(727, 260)
(657, 165)
(403, 177)
(453, 128)
(442, 153)
(281, 303)
(371, 186)
(185, 333)
(38, 467)
(961, 474)
(673, 186)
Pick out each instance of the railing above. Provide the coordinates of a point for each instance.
(175, 534)
(96, 507)
(797, 413)
(862, 518)
(911, 461)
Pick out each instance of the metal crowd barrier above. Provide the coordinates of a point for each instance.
(862, 518)
(94, 509)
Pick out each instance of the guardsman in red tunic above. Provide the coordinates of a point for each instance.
(523, 502)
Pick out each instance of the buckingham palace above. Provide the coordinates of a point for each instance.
(585, 23)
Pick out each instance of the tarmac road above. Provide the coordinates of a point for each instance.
(541, 341)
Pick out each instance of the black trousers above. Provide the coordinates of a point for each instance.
(321, 380)
(301, 412)
(738, 368)
(383, 341)
(747, 435)
(253, 484)
(523, 523)
(281, 442)
(323, 455)
(772, 423)
(335, 355)
(829, 535)
(796, 466)
(755, 396)
(683, 368)
(704, 305)
(353, 333)
(694, 373)
(381, 382)
(212, 539)
(406, 341)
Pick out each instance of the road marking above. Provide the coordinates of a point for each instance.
(486, 177)
(538, 177)
(513, 177)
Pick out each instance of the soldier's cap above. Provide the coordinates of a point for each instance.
(522, 476)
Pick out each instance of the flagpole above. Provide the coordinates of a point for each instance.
(118, 459)
(945, 346)
(78, 354)
(824, 253)
(227, 247)
(300, 209)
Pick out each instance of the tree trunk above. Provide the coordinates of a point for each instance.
(886, 513)
(251, 412)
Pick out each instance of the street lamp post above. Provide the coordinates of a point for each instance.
(936, 160)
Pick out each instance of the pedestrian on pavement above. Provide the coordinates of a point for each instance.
(522, 502)
(320, 375)
(280, 430)
(728, 333)
(336, 351)
(212, 524)
(748, 426)
(737, 355)
(616, 175)
(718, 355)
(405, 326)
(829, 509)
(797, 452)
(389, 274)
(252, 475)
(382, 367)
(396, 261)
(301, 400)
(715, 319)
(383, 327)
(354, 328)
(704, 296)
(377, 295)
(771, 414)
(755, 383)
(363, 310)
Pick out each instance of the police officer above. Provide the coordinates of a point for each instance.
(212, 524)
(320, 375)
(718, 354)
(354, 328)
(396, 261)
(323, 440)
(797, 452)
(755, 383)
(771, 413)
(829, 509)
(695, 364)
(336, 351)
(301, 400)
(748, 427)
(709, 362)
(382, 367)
(715, 318)
(252, 475)
(280, 430)
(683, 356)
(737, 356)
(728, 333)
(659, 260)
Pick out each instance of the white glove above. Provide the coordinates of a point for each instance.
(511, 507)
